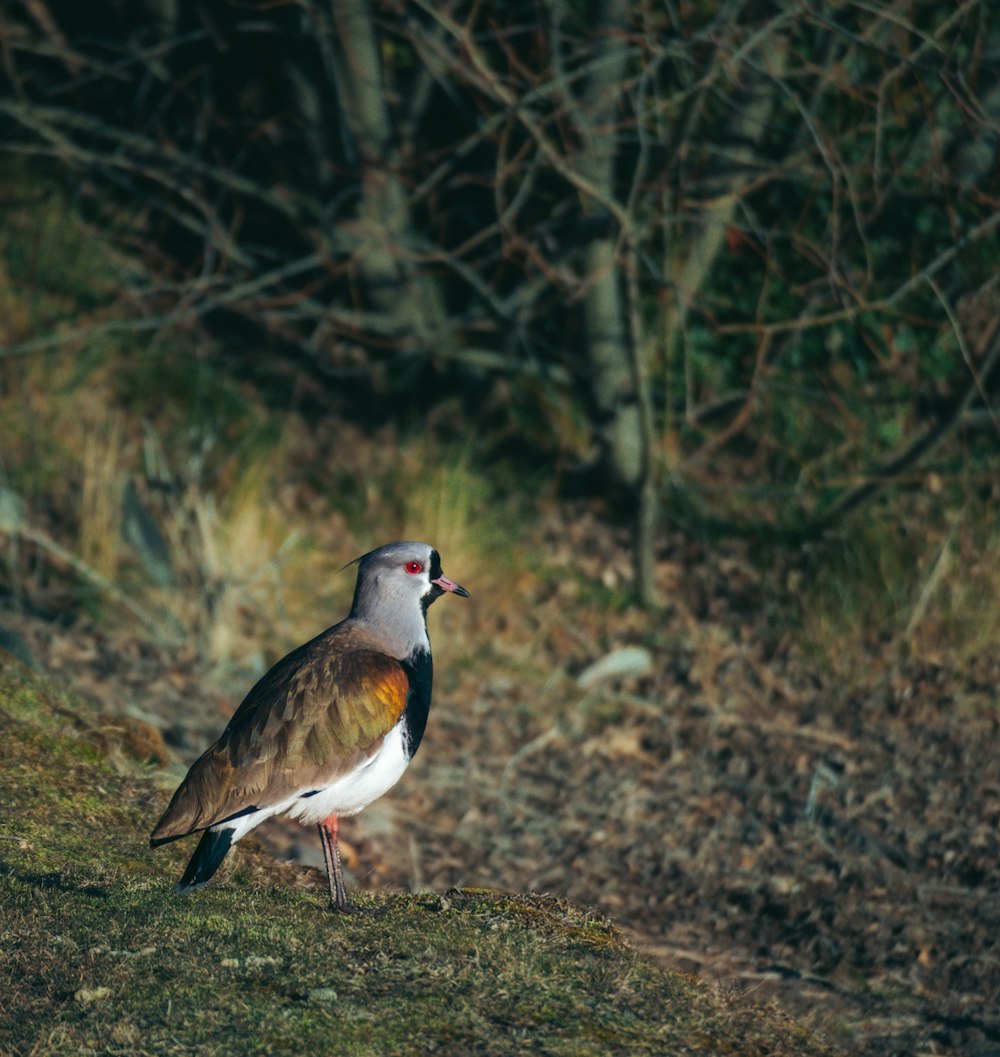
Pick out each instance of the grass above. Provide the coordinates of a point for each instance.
(257, 508)
(101, 955)
(925, 579)
(103, 493)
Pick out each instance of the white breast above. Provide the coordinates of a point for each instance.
(352, 792)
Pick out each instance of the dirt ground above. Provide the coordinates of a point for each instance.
(828, 842)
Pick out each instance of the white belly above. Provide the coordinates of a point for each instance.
(352, 792)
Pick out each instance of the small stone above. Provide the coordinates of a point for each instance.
(321, 995)
(630, 661)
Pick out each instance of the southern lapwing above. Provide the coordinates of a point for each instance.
(328, 729)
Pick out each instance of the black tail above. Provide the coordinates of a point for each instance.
(207, 858)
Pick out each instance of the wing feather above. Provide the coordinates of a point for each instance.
(315, 716)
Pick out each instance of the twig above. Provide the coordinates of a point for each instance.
(963, 345)
(984, 227)
(913, 452)
(824, 737)
(46, 120)
(206, 303)
(742, 419)
(939, 567)
(491, 83)
(906, 63)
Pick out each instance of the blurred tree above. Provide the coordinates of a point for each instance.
(751, 247)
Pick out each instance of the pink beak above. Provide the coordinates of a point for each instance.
(449, 585)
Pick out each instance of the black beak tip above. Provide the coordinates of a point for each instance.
(444, 584)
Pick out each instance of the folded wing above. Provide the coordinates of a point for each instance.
(317, 715)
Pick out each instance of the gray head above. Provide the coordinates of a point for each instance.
(396, 584)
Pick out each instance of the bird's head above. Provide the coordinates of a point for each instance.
(397, 582)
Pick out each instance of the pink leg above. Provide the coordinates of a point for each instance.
(328, 829)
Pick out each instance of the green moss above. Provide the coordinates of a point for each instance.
(102, 955)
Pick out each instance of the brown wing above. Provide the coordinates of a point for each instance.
(315, 716)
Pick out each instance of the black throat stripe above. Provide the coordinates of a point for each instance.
(419, 670)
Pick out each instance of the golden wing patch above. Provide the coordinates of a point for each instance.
(299, 723)
(342, 704)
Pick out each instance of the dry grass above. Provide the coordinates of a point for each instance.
(231, 554)
(924, 578)
(433, 492)
(957, 609)
(256, 536)
(102, 495)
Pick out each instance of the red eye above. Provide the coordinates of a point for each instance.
(413, 568)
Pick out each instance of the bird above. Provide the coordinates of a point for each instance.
(329, 729)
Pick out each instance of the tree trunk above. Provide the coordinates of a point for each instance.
(742, 135)
(383, 230)
(618, 378)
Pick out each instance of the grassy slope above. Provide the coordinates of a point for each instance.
(100, 954)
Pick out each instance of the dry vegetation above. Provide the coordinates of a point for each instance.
(799, 795)
(807, 811)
